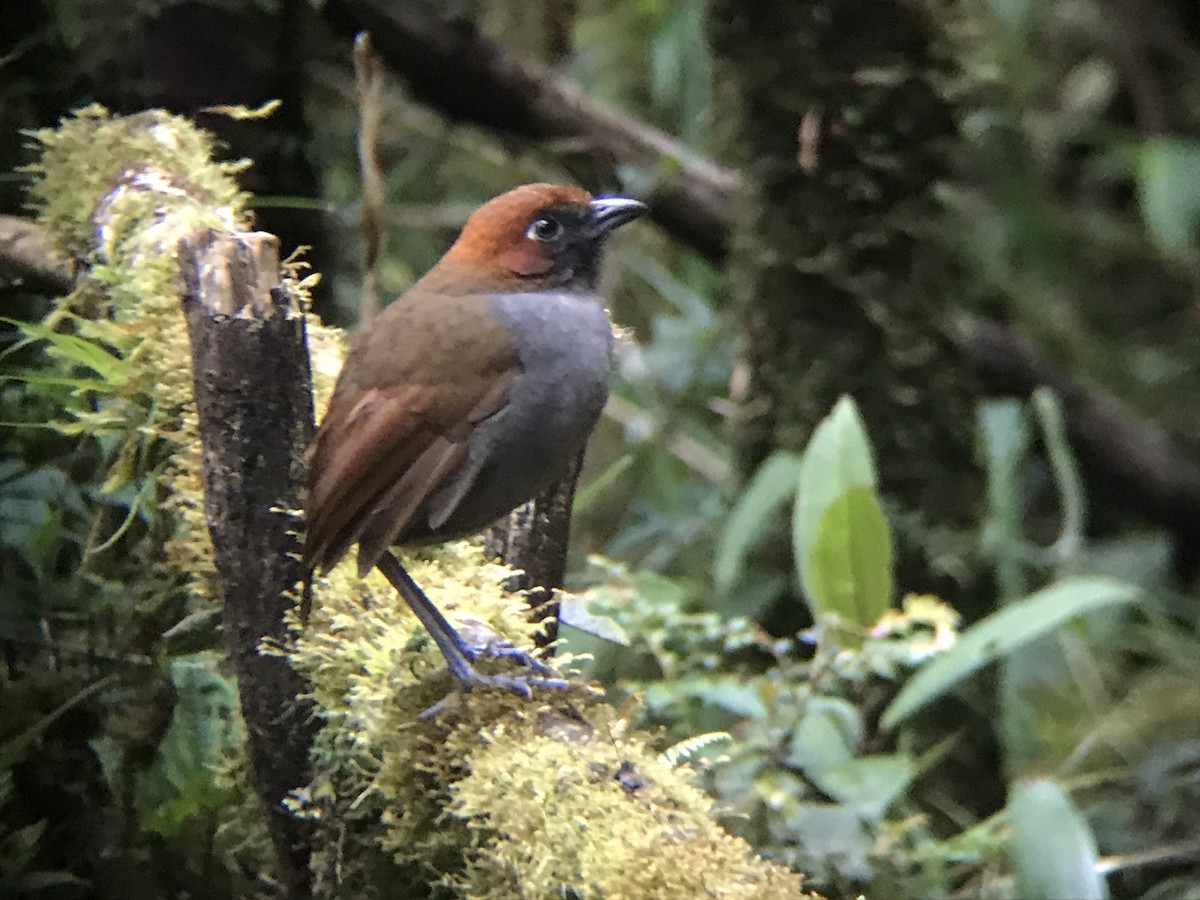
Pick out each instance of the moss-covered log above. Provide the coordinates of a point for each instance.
(497, 797)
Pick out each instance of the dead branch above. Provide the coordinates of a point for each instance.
(28, 254)
(254, 399)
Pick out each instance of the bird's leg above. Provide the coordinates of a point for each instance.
(459, 653)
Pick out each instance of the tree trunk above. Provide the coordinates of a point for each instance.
(837, 273)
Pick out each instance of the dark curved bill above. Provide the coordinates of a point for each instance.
(609, 213)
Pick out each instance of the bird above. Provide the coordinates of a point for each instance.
(465, 397)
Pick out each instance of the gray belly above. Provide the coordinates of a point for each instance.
(565, 349)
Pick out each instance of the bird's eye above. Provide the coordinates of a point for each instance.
(544, 229)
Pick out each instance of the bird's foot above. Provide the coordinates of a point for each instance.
(480, 642)
(505, 650)
(468, 679)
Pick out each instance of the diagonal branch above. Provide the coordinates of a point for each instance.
(29, 254)
(465, 75)
(1131, 464)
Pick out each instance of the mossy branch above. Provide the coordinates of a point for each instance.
(497, 797)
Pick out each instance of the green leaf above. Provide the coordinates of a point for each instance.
(184, 779)
(1005, 630)
(13, 750)
(869, 784)
(74, 349)
(825, 738)
(41, 380)
(1052, 848)
(850, 563)
(572, 611)
(822, 747)
(1168, 169)
(748, 522)
(842, 543)
(729, 694)
(1004, 440)
(835, 833)
(1004, 433)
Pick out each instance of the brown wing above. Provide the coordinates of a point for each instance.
(373, 467)
(397, 428)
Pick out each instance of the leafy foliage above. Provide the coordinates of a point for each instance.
(808, 769)
(1071, 209)
(843, 547)
(1000, 634)
(1053, 850)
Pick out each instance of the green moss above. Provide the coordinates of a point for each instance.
(119, 194)
(165, 161)
(568, 796)
(501, 796)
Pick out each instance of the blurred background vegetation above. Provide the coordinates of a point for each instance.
(934, 207)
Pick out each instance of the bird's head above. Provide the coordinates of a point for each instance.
(535, 237)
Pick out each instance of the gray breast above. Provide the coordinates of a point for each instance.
(565, 347)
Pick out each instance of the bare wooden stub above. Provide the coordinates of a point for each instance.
(254, 398)
(534, 539)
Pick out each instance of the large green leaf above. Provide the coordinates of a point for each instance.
(1168, 170)
(1052, 848)
(849, 563)
(841, 539)
(768, 490)
(1005, 630)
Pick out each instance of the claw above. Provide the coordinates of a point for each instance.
(502, 649)
(469, 679)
